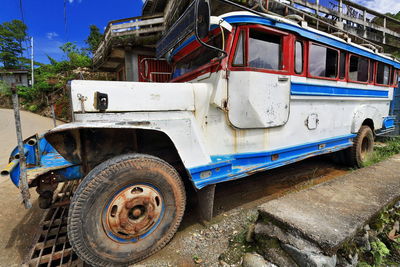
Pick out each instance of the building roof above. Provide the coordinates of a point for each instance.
(10, 71)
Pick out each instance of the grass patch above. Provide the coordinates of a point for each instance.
(390, 146)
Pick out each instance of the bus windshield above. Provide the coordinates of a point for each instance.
(198, 57)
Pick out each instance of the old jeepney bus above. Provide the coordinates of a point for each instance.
(249, 92)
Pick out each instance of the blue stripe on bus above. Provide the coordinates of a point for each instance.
(229, 167)
(310, 35)
(326, 90)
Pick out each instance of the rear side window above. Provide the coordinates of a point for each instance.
(265, 50)
(396, 78)
(358, 70)
(383, 74)
(323, 61)
(298, 57)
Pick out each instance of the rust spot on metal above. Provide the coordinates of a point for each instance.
(132, 212)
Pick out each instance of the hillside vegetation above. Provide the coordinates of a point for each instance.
(50, 87)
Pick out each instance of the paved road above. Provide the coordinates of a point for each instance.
(17, 225)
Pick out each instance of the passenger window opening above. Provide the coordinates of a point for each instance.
(358, 69)
(383, 74)
(342, 66)
(299, 57)
(265, 50)
(323, 61)
(239, 53)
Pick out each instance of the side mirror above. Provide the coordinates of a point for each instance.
(203, 17)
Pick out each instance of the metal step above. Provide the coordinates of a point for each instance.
(51, 246)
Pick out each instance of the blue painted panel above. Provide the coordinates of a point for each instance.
(389, 122)
(228, 167)
(50, 160)
(325, 90)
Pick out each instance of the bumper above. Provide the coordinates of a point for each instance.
(41, 158)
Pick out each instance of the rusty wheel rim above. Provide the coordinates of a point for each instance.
(133, 213)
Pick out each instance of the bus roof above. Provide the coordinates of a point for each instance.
(244, 17)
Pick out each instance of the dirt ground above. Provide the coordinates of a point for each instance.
(235, 204)
(17, 225)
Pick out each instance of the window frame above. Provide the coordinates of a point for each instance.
(304, 55)
(285, 46)
(310, 43)
(346, 64)
(348, 69)
(372, 63)
(376, 74)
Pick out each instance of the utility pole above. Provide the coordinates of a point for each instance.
(33, 73)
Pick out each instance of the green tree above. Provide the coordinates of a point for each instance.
(94, 38)
(76, 57)
(12, 35)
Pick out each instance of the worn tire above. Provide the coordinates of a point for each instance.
(86, 230)
(363, 145)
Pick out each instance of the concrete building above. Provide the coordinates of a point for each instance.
(18, 77)
(128, 49)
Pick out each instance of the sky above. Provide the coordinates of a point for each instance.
(46, 21)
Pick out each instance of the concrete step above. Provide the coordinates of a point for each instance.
(319, 220)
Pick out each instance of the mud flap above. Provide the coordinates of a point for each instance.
(205, 199)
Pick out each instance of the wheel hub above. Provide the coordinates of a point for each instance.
(132, 212)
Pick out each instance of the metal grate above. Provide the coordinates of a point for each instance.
(51, 247)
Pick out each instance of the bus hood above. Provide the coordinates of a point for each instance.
(106, 96)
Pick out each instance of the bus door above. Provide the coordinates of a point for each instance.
(259, 84)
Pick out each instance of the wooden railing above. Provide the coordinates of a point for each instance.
(134, 27)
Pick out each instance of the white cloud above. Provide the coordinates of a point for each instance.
(382, 6)
(72, 1)
(51, 35)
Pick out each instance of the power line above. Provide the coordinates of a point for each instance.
(65, 19)
(21, 11)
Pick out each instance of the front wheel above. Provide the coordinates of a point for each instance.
(126, 209)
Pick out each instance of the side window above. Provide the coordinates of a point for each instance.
(298, 57)
(358, 69)
(323, 61)
(382, 74)
(371, 71)
(239, 53)
(342, 66)
(265, 50)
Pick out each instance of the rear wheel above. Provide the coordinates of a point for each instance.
(363, 147)
(358, 154)
(126, 209)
